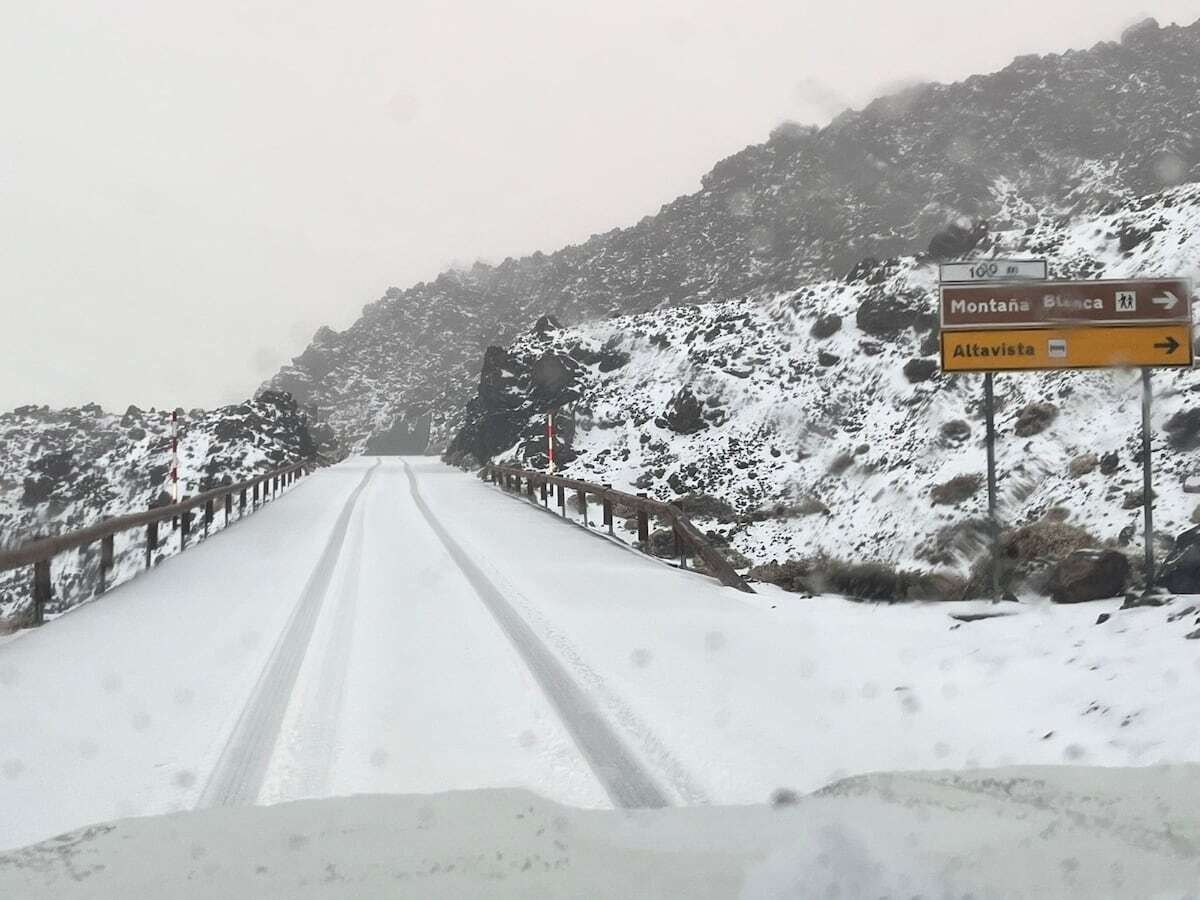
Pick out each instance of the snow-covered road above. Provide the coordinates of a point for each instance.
(326, 645)
(396, 626)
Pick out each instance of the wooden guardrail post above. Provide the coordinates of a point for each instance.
(41, 551)
(254, 501)
(242, 503)
(106, 562)
(529, 488)
(581, 499)
(687, 539)
(41, 590)
(151, 542)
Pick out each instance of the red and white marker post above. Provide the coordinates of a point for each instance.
(175, 456)
(550, 439)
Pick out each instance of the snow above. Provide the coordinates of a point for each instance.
(732, 696)
(67, 469)
(408, 683)
(1045, 832)
(784, 419)
(162, 667)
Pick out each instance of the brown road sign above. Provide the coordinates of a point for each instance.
(1074, 347)
(1035, 304)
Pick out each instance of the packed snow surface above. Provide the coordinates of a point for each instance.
(1021, 832)
(384, 666)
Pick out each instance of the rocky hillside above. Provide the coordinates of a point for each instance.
(61, 470)
(818, 413)
(919, 171)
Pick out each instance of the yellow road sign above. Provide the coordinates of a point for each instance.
(1078, 347)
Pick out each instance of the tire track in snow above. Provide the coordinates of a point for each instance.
(685, 785)
(626, 782)
(320, 748)
(238, 775)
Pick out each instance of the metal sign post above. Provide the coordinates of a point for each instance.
(1147, 495)
(964, 275)
(989, 411)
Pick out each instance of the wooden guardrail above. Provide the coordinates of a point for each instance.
(38, 553)
(687, 536)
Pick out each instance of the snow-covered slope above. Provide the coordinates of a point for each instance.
(826, 402)
(65, 469)
(1047, 135)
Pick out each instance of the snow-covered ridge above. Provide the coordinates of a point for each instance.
(65, 469)
(1046, 136)
(827, 400)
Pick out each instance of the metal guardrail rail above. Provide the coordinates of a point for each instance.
(40, 552)
(687, 536)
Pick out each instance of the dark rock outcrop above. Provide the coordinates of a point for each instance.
(883, 315)
(956, 240)
(685, 413)
(515, 398)
(1034, 419)
(1180, 572)
(1089, 575)
(1183, 429)
(918, 370)
(826, 326)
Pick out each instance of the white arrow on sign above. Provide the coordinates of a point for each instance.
(1167, 301)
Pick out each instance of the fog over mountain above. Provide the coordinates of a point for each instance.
(215, 188)
(930, 169)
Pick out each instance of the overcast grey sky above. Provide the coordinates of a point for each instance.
(187, 191)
